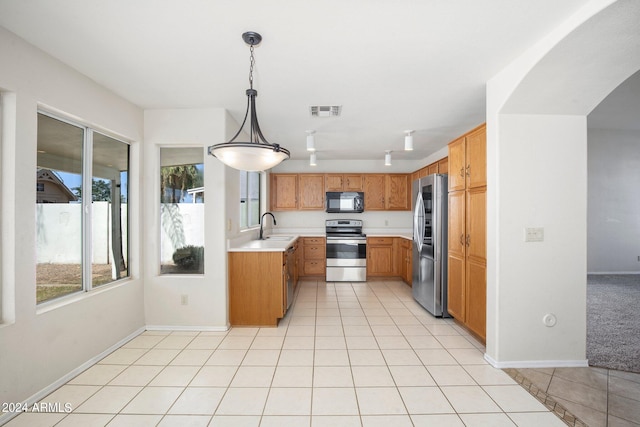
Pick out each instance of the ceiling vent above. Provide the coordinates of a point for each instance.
(325, 110)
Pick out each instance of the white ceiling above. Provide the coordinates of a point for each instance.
(393, 65)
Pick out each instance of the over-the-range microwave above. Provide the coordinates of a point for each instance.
(345, 201)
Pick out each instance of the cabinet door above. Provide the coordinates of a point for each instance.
(311, 190)
(456, 287)
(432, 168)
(397, 193)
(374, 188)
(457, 165)
(476, 298)
(443, 166)
(476, 168)
(456, 259)
(284, 192)
(353, 183)
(333, 182)
(380, 260)
(456, 223)
(476, 225)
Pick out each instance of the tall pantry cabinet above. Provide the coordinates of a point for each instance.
(467, 258)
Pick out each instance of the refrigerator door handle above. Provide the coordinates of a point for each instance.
(418, 222)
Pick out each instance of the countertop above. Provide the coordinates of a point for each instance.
(280, 243)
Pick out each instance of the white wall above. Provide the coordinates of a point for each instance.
(536, 173)
(42, 344)
(206, 294)
(613, 210)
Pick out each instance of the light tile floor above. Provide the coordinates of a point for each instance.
(346, 354)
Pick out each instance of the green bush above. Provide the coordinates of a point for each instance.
(189, 257)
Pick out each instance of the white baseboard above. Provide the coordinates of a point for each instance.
(603, 273)
(4, 418)
(187, 328)
(536, 363)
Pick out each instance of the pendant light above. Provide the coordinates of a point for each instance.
(408, 140)
(387, 158)
(257, 154)
(312, 160)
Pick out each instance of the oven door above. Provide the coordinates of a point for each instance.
(346, 252)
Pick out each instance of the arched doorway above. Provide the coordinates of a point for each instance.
(537, 177)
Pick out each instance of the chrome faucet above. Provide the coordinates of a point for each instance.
(262, 222)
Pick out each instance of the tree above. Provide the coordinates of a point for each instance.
(100, 191)
(178, 179)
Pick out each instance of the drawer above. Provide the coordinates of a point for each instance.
(313, 241)
(314, 252)
(380, 240)
(314, 268)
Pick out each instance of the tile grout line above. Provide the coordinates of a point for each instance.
(549, 402)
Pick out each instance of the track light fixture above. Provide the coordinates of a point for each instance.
(408, 140)
(311, 140)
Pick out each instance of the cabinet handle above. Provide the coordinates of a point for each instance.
(468, 170)
(462, 240)
(462, 172)
(468, 239)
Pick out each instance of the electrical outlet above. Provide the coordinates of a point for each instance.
(184, 299)
(386, 222)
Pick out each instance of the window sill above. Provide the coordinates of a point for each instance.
(57, 303)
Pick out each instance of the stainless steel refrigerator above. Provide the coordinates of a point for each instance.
(430, 243)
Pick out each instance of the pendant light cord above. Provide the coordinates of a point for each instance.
(251, 63)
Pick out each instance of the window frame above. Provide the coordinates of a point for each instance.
(247, 209)
(87, 206)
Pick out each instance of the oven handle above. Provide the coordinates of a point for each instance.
(346, 241)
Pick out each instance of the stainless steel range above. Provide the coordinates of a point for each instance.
(346, 250)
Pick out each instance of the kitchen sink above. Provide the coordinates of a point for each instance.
(278, 238)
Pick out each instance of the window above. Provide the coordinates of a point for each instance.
(182, 210)
(250, 196)
(74, 160)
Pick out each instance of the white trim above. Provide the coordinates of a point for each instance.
(72, 374)
(537, 363)
(188, 328)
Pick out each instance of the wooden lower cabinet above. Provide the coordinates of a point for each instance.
(405, 259)
(380, 259)
(312, 256)
(257, 288)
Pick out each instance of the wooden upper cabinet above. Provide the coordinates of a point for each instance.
(387, 192)
(476, 168)
(353, 182)
(333, 182)
(374, 192)
(443, 166)
(344, 182)
(432, 168)
(284, 192)
(311, 191)
(457, 164)
(467, 160)
(398, 192)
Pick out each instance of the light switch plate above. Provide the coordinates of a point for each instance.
(534, 234)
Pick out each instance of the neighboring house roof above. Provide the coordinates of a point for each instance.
(50, 176)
